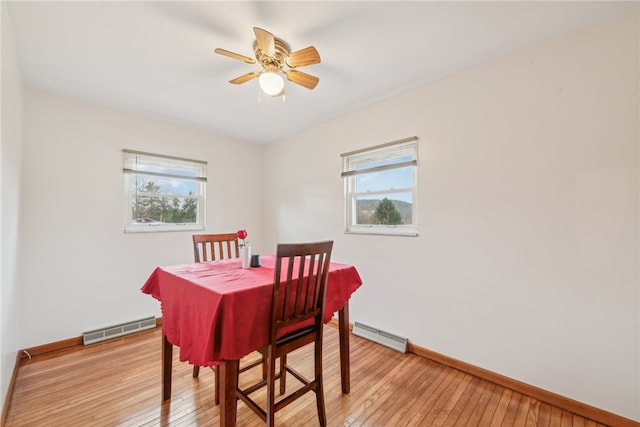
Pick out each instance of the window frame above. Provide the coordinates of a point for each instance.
(134, 163)
(407, 147)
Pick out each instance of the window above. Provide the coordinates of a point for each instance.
(163, 193)
(380, 188)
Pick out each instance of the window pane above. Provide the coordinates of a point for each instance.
(372, 161)
(385, 180)
(384, 209)
(167, 170)
(156, 184)
(163, 210)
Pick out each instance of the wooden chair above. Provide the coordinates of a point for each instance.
(297, 311)
(211, 247)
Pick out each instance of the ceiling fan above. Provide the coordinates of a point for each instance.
(276, 58)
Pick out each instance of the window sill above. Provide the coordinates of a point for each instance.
(161, 228)
(384, 231)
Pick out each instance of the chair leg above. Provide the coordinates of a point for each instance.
(322, 414)
(216, 398)
(283, 373)
(271, 389)
(196, 371)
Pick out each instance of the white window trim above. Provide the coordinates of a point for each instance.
(129, 169)
(395, 230)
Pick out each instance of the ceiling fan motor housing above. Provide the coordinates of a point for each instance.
(277, 61)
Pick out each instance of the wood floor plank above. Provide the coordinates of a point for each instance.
(578, 421)
(442, 395)
(466, 401)
(118, 383)
(544, 415)
(555, 417)
(491, 407)
(403, 386)
(523, 410)
(442, 418)
(473, 411)
(430, 396)
(533, 416)
(501, 408)
(567, 419)
(512, 410)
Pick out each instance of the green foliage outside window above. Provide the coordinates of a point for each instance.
(150, 206)
(386, 213)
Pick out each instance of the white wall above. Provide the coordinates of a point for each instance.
(79, 270)
(10, 164)
(527, 258)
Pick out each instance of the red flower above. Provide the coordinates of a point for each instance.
(242, 234)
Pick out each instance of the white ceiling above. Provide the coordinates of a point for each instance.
(157, 56)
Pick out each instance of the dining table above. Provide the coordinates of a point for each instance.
(217, 312)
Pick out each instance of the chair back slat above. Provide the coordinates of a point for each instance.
(300, 278)
(211, 247)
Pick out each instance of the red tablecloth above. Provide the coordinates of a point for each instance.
(218, 311)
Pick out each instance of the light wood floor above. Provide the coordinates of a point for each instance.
(117, 383)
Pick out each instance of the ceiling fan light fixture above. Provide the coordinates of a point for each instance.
(271, 83)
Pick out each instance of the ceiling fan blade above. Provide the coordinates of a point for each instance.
(303, 79)
(300, 58)
(235, 56)
(266, 41)
(244, 78)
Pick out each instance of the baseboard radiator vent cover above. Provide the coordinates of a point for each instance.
(385, 338)
(103, 334)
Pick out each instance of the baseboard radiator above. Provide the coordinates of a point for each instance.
(103, 334)
(376, 335)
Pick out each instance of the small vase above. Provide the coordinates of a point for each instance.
(245, 256)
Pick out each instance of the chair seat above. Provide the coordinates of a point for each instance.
(293, 336)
